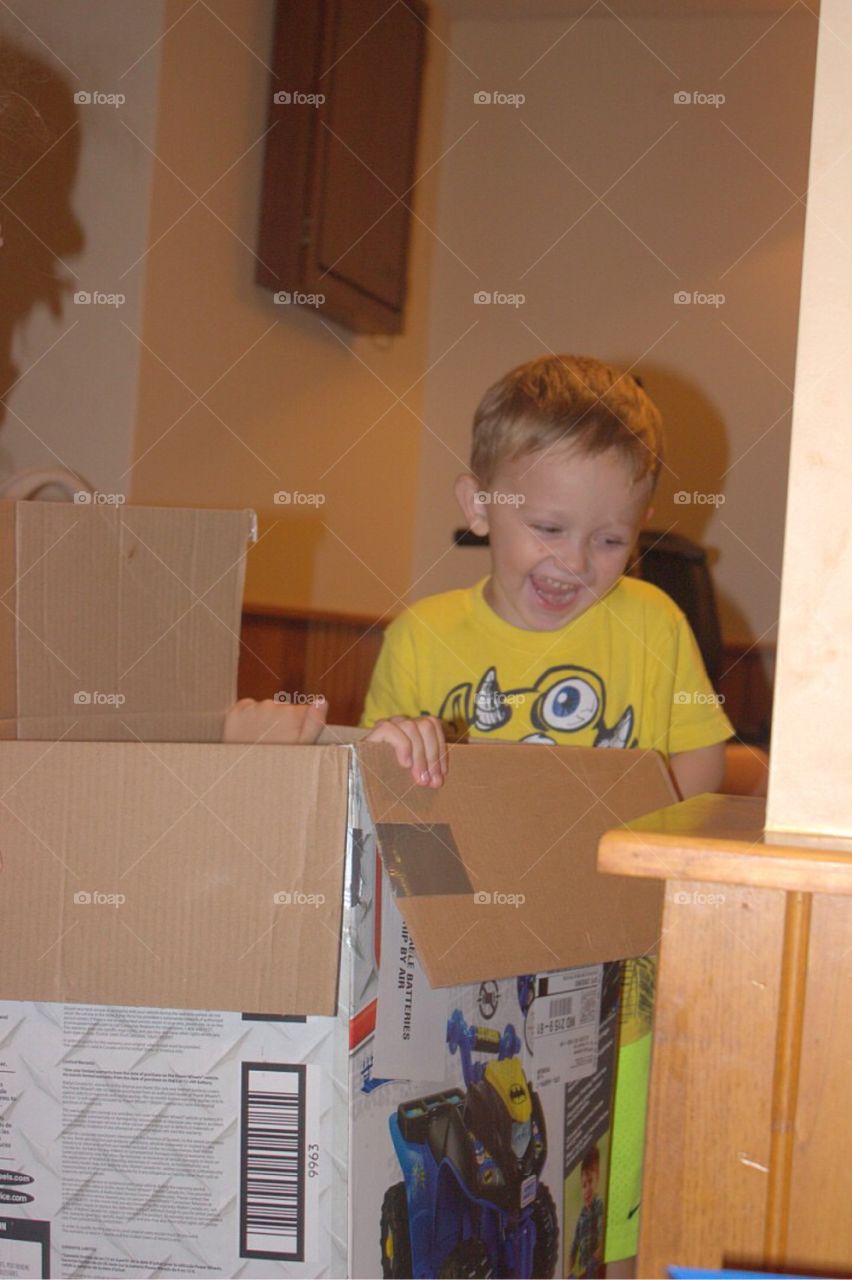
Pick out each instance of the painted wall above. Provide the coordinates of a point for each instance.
(241, 398)
(599, 199)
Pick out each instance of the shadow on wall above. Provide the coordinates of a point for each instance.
(39, 153)
(697, 459)
(697, 451)
(687, 499)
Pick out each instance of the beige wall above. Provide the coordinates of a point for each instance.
(691, 208)
(811, 774)
(296, 403)
(80, 221)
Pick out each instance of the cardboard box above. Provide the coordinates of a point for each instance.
(146, 886)
(119, 622)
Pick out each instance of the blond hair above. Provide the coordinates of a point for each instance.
(574, 400)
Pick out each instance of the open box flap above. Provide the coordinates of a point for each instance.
(118, 610)
(496, 872)
(141, 726)
(189, 876)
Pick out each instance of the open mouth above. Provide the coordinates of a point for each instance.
(553, 594)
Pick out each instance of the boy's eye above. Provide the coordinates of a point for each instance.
(545, 528)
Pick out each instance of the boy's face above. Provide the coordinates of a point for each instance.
(561, 525)
(589, 1183)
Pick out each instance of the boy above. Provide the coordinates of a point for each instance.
(587, 1244)
(556, 645)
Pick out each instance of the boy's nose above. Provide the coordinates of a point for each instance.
(573, 558)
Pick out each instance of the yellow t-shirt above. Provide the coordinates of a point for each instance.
(626, 673)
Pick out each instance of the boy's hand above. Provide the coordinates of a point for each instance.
(275, 722)
(419, 746)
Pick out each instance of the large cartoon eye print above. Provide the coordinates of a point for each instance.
(570, 705)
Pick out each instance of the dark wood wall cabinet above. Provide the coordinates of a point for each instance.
(340, 158)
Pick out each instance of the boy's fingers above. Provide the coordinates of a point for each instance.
(392, 733)
(417, 760)
(410, 748)
(427, 748)
(444, 759)
(436, 750)
(234, 725)
(419, 746)
(314, 720)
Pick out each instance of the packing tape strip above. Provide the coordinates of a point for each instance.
(422, 859)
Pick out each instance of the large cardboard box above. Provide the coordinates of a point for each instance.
(119, 622)
(214, 1001)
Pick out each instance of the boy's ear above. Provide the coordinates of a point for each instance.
(473, 508)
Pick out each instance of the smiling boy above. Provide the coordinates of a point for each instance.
(556, 645)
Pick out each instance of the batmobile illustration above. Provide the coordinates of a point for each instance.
(471, 1203)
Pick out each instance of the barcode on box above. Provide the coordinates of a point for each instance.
(560, 1017)
(272, 1163)
(562, 1007)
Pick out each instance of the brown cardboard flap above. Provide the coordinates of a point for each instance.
(495, 873)
(119, 610)
(153, 726)
(187, 876)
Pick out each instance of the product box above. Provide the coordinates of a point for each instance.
(485, 1004)
(261, 1007)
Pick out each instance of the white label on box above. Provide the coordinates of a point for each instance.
(129, 1126)
(562, 1025)
(411, 1018)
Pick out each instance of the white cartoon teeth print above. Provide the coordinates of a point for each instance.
(490, 710)
(619, 734)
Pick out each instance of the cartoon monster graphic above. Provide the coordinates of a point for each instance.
(563, 700)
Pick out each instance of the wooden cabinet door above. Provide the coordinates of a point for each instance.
(340, 159)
